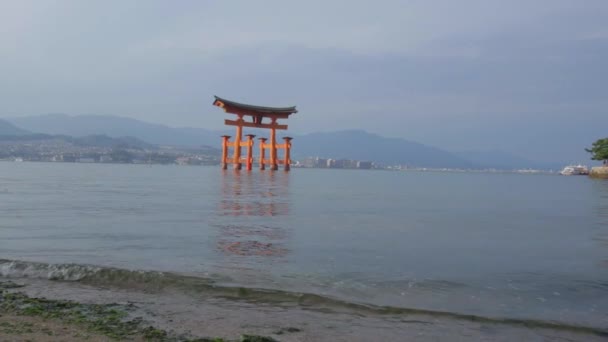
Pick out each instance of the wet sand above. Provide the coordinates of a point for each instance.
(195, 315)
(25, 328)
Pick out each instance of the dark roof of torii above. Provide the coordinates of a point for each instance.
(258, 109)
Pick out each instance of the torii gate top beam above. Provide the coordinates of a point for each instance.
(252, 110)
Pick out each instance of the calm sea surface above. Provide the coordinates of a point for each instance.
(501, 245)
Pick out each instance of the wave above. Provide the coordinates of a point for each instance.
(156, 281)
(24, 269)
(98, 275)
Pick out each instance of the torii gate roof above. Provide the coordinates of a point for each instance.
(238, 108)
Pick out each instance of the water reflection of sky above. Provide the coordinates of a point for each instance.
(497, 244)
(250, 208)
(600, 186)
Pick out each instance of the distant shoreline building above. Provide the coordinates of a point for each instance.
(329, 163)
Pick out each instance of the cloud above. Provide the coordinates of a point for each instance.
(440, 72)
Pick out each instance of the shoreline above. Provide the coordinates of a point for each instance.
(149, 281)
(168, 315)
(389, 169)
(41, 319)
(599, 172)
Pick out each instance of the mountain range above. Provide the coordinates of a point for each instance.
(349, 144)
(113, 126)
(7, 128)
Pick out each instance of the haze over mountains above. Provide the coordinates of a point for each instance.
(7, 128)
(12, 133)
(349, 144)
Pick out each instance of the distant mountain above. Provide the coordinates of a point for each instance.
(86, 141)
(7, 128)
(361, 145)
(358, 145)
(114, 126)
(353, 144)
(101, 140)
(502, 160)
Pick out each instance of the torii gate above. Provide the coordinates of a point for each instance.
(257, 114)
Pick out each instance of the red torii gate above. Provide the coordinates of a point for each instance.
(257, 114)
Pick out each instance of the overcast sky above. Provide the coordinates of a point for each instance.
(528, 77)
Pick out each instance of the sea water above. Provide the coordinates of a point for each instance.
(499, 245)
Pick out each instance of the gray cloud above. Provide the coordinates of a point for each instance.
(526, 77)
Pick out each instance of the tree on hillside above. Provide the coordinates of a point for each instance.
(599, 150)
(119, 155)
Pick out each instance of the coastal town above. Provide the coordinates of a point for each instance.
(130, 150)
(102, 149)
(105, 150)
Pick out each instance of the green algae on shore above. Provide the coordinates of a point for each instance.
(110, 320)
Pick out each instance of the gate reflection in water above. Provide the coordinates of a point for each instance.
(253, 213)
